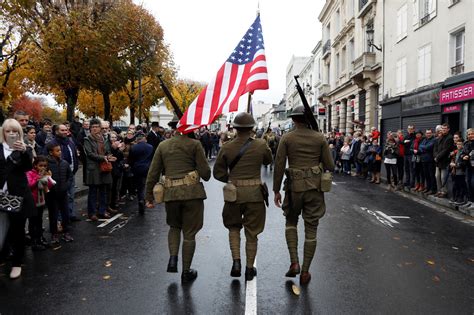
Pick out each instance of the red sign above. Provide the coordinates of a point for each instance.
(322, 111)
(452, 109)
(337, 107)
(457, 94)
(352, 103)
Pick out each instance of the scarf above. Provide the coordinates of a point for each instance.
(417, 143)
(100, 143)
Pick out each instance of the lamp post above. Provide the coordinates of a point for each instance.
(149, 53)
(370, 39)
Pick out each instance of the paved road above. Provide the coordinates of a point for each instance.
(365, 263)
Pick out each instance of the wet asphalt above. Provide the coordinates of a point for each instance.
(364, 263)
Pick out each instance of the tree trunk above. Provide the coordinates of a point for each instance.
(132, 115)
(71, 101)
(106, 98)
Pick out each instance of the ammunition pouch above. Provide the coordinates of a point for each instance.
(326, 182)
(191, 178)
(230, 192)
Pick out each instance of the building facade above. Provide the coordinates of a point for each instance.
(428, 64)
(351, 63)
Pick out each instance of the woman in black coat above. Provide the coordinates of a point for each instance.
(15, 160)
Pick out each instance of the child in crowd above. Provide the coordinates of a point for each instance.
(56, 198)
(458, 171)
(40, 182)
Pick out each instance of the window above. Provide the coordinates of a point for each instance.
(337, 65)
(338, 21)
(401, 75)
(424, 65)
(350, 9)
(343, 59)
(402, 22)
(457, 52)
(369, 29)
(423, 11)
(351, 51)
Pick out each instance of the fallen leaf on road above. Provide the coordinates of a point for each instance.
(104, 236)
(454, 247)
(296, 290)
(408, 263)
(360, 249)
(106, 277)
(404, 246)
(56, 248)
(84, 299)
(436, 279)
(108, 263)
(471, 260)
(396, 238)
(358, 235)
(430, 262)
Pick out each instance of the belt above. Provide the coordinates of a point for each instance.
(247, 182)
(305, 173)
(180, 182)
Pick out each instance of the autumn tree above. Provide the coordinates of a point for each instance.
(32, 106)
(184, 92)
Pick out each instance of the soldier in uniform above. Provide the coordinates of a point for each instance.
(248, 208)
(182, 162)
(228, 135)
(308, 156)
(271, 139)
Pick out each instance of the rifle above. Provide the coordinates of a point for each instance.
(170, 98)
(308, 114)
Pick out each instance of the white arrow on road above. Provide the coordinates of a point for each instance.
(391, 218)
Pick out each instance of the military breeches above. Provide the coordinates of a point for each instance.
(250, 216)
(308, 203)
(186, 215)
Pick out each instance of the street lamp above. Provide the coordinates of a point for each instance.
(149, 53)
(370, 39)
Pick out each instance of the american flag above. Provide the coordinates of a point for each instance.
(243, 72)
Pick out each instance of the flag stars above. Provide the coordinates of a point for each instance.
(242, 46)
(241, 53)
(239, 60)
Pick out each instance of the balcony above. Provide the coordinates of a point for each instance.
(458, 69)
(327, 48)
(323, 91)
(364, 67)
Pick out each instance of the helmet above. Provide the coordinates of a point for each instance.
(174, 121)
(244, 120)
(297, 111)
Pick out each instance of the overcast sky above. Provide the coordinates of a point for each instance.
(202, 34)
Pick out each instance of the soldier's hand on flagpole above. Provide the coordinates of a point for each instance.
(149, 204)
(277, 199)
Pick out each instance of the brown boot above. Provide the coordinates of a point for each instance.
(377, 178)
(293, 271)
(305, 278)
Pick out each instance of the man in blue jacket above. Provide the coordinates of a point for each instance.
(427, 162)
(139, 158)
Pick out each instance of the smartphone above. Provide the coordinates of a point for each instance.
(12, 138)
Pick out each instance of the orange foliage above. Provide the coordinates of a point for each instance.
(31, 106)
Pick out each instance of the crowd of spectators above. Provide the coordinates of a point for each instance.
(428, 162)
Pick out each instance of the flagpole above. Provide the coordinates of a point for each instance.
(249, 102)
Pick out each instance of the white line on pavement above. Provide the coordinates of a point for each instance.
(251, 295)
(399, 217)
(334, 183)
(386, 217)
(115, 217)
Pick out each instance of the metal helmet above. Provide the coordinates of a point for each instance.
(244, 120)
(297, 111)
(173, 121)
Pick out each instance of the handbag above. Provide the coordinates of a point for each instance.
(10, 203)
(106, 167)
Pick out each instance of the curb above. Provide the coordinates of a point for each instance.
(442, 207)
(81, 192)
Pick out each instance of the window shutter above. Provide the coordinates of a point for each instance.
(399, 76)
(416, 17)
(421, 65)
(427, 65)
(399, 24)
(404, 74)
(404, 20)
(432, 8)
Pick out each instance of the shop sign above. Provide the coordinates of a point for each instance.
(420, 100)
(322, 111)
(452, 109)
(457, 94)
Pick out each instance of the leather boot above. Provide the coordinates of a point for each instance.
(189, 276)
(236, 270)
(293, 271)
(250, 273)
(173, 264)
(305, 278)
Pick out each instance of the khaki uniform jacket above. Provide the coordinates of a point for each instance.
(174, 158)
(248, 167)
(304, 148)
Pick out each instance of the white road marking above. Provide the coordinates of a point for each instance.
(399, 217)
(115, 217)
(334, 183)
(251, 295)
(386, 217)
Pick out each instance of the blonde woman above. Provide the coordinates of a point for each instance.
(15, 160)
